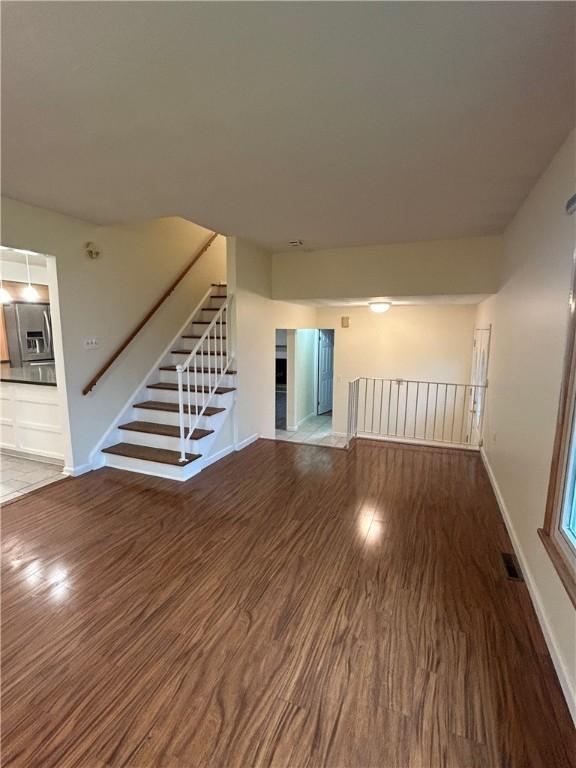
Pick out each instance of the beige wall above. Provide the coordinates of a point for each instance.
(257, 318)
(529, 317)
(441, 267)
(422, 342)
(306, 342)
(106, 297)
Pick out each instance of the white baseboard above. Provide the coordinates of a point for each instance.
(230, 449)
(79, 469)
(412, 441)
(213, 458)
(300, 423)
(46, 458)
(561, 671)
(246, 442)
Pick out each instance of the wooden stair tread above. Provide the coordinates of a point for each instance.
(174, 388)
(203, 322)
(200, 370)
(147, 453)
(219, 296)
(188, 351)
(157, 405)
(166, 430)
(219, 285)
(196, 336)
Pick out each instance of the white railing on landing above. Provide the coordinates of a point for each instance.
(430, 412)
(202, 372)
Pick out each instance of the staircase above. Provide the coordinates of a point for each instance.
(167, 430)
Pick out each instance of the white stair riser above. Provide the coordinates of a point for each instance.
(202, 361)
(153, 468)
(201, 379)
(166, 417)
(160, 441)
(198, 329)
(208, 345)
(171, 396)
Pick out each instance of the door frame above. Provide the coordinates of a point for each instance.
(317, 369)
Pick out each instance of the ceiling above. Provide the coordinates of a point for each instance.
(340, 123)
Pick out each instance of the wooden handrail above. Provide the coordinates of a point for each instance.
(94, 380)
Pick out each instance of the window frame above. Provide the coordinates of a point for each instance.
(563, 471)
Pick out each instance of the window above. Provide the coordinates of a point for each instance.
(559, 531)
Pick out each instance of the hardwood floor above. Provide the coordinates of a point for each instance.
(291, 606)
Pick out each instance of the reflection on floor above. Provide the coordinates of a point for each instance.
(19, 476)
(315, 431)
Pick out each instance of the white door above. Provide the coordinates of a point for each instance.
(479, 377)
(325, 370)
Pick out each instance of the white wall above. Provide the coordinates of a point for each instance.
(305, 365)
(440, 267)
(257, 318)
(105, 298)
(421, 342)
(529, 317)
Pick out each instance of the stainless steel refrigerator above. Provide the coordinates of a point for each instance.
(29, 333)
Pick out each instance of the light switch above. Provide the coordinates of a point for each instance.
(91, 343)
(345, 322)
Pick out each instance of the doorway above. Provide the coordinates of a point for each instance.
(305, 386)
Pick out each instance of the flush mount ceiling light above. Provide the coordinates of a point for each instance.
(379, 306)
(30, 293)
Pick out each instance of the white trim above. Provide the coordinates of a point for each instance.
(561, 671)
(80, 469)
(219, 455)
(411, 441)
(45, 458)
(246, 442)
(302, 421)
(128, 404)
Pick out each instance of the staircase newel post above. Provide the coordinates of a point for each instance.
(179, 371)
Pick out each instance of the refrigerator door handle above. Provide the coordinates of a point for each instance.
(48, 331)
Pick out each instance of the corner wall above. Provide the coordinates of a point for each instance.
(106, 298)
(257, 318)
(529, 320)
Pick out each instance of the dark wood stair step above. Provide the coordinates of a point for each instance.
(203, 322)
(157, 405)
(166, 385)
(219, 285)
(188, 351)
(219, 296)
(166, 430)
(200, 370)
(146, 453)
(196, 336)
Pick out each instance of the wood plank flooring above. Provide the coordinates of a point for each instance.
(292, 606)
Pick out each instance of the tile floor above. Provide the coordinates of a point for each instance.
(19, 476)
(316, 431)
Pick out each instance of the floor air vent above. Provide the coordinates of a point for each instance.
(513, 570)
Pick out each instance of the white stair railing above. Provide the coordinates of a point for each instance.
(202, 373)
(435, 413)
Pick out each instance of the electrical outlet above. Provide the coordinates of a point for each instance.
(91, 343)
